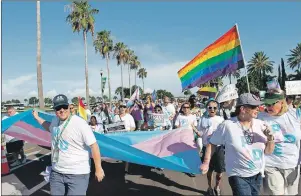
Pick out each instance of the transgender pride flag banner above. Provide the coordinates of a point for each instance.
(174, 150)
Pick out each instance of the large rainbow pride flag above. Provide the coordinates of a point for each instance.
(219, 58)
(174, 150)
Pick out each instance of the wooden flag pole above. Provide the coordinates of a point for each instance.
(243, 59)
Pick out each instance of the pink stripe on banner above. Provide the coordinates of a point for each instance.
(176, 141)
(30, 139)
(26, 132)
(45, 135)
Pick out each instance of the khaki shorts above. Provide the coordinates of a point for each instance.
(281, 181)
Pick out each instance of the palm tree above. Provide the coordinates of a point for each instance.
(142, 74)
(130, 54)
(81, 18)
(121, 57)
(235, 74)
(294, 59)
(296, 76)
(39, 64)
(135, 64)
(260, 65)
(104, 45)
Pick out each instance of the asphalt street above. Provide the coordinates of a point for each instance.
(142, 180)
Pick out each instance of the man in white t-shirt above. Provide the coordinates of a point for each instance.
(207, 125)
(71, 139)
(14, 145)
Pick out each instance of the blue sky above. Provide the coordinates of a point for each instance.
(164, 35)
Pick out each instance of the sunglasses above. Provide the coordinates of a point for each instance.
(212, 108)
(122, 106)
(71, 108)
(251, 106)
(65, 107)
(269, 105)
(186, 107)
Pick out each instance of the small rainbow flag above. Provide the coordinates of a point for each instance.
(81, 109)
(219, 58)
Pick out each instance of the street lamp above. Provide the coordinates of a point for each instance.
(101, 73)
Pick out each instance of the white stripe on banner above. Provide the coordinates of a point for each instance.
(4, 160)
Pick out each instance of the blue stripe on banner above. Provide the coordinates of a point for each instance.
(120, 151)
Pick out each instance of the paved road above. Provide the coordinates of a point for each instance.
(141, 180)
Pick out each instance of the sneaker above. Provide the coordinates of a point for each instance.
(16, 163)
(190, 174)
(23, 160)
(210, 192)
(217, 191)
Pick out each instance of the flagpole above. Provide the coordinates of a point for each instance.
(243, 56)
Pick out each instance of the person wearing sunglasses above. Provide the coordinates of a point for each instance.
(71, 138)
(206, 126)
(185, 118)
(123, 116)
(72, 109)
(246, 139)
(282, 167)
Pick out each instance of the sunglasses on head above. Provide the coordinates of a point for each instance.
(212, 108)
(65, 107)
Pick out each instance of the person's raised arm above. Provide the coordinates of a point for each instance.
(41, 121)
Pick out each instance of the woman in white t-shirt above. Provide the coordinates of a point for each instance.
(129, 124)
(282, 167)
(246, 139)
(208, 123)
(185, 118)
(95, 127)
(128, 120)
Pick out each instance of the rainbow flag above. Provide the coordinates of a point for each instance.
(81, 109)
(219, 58)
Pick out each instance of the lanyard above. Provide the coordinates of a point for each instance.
(55, 153)
(65, 125)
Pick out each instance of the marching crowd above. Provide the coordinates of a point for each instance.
(255, 147)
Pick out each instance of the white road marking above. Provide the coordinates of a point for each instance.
(34, 189)
(31, 153)
(29, 162)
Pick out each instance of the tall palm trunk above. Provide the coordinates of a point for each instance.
(143, 84)
(121, 82)
(39, 66)
(86, 70)
(109, 83)
(129, 70)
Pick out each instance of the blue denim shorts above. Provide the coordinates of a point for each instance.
(246, 185)
(68, 184)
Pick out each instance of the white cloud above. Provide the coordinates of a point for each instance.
(51, 93)
(14, 87)
(32, 94)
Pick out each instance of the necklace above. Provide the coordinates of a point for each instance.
(248, 133)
